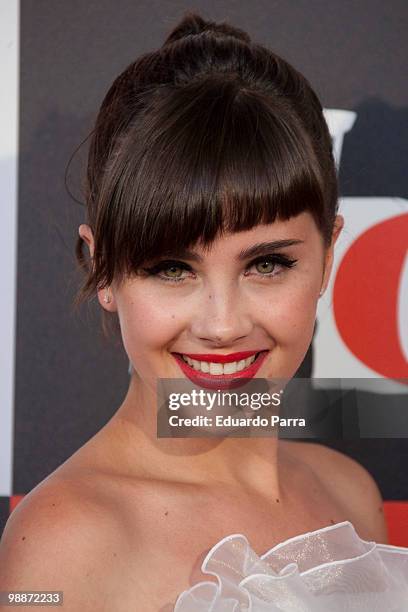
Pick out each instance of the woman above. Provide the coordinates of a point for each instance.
(212, 219)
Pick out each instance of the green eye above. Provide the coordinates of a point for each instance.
(171, 271)
(175, 272)
(265, 267)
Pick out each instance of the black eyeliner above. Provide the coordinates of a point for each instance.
(277, 258)
(163, 265)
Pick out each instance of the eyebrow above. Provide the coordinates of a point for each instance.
(256, 250)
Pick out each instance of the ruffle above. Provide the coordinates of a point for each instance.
(328, 570)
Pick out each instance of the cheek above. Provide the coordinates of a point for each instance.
(290, 318)
(291, 324)
(147, 323)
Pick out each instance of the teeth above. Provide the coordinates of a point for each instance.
(219, 368)
(204, 366)
(216, 368)
(230, 368)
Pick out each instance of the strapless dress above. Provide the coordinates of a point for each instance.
(328, 570)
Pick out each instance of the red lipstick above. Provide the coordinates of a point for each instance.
(222, 358)
(221, 381)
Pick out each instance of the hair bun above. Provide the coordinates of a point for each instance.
(193, 24)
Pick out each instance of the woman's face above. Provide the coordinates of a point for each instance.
(229, 299)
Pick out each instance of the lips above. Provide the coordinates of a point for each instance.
(221, 358)
(221, 381)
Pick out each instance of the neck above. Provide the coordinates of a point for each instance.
(245, 461)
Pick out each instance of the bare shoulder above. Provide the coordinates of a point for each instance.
(61, 538)
(350, 484)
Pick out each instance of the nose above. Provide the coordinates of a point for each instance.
(222, 318)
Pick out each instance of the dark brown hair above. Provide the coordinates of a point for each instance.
(208, 134)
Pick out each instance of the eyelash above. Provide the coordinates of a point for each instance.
(277, 258)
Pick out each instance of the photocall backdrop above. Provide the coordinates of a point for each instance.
(60, 380)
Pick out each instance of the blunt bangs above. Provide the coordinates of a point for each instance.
(205, 158)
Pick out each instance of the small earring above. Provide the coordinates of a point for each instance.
(106, 298)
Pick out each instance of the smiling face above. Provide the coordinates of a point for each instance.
(235, 297)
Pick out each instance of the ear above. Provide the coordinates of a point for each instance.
(338, 226)
(86, 234)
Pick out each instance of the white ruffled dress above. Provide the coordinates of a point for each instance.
(328, 570)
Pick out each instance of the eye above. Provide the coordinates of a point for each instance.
(171, 271)
(272, 265)
(267, 266)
